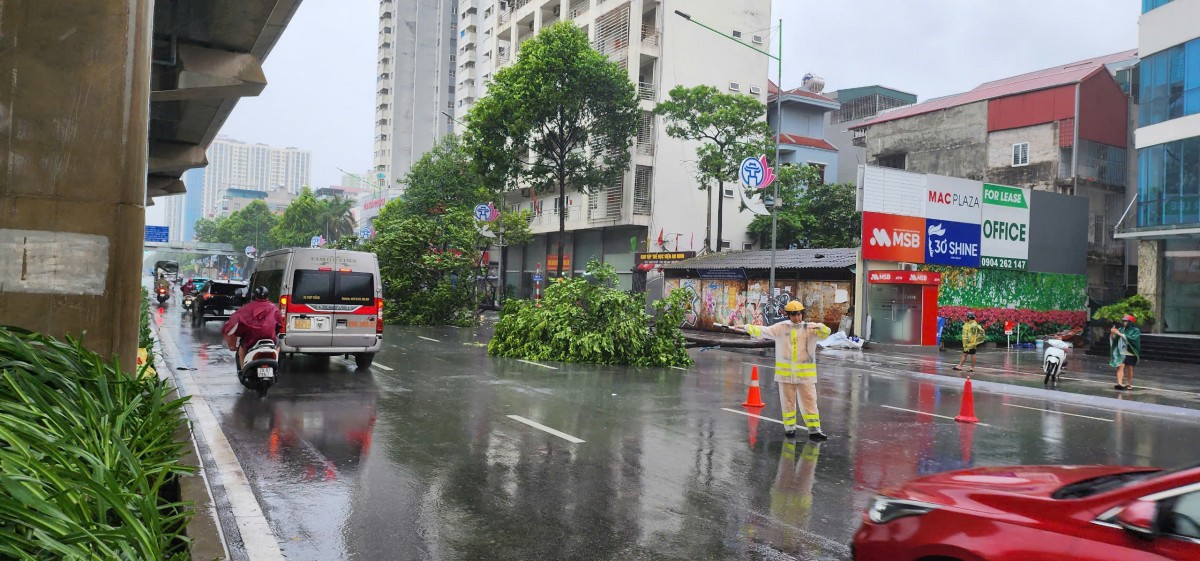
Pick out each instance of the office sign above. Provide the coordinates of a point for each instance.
(1005, 228)
(952, 243)
(888, 237)
(951, 198)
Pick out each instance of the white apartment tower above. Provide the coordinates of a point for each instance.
(660, 50)
(233, 164)
(414, 83)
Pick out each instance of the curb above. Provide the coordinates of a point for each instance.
(244, 532)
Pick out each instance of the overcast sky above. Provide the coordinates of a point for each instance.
(321, 76)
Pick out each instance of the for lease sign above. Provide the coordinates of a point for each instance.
(1005, 227)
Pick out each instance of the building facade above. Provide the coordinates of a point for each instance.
(1062, 129)
(658, 206)
(233, 164)
(418, 41)
(1166, 222)
(803, 129)
(856, 105)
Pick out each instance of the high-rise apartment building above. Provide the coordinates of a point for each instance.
(1166, 216)
(233, 164)
(658, 206)
(414, 83)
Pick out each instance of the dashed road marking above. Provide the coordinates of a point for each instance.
(545, 428)
(373, 365)
(428, 339)
(751, 415)
(537, 364)
(383, 366)
(1060, 412)
(927, 413)
(679, 368)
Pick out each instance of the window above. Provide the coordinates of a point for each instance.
(737, 34)
(1168, 193)
(1020, 154)
(1148, 5)
(746, 246)
(451, 57)
(896, 161)
(327, 287)
(1170, 84)
(755, 90)
(820, 170)
(725, 244)
(757, 39)
(1181, 516)
(735, 87)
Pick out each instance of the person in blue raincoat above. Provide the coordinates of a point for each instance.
(1125, 348)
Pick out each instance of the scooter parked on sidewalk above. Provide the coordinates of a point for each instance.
(261, 366)
(1054, 359)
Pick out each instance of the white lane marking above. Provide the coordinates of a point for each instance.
(542, 427)
(383, 366)
(929, 414)
(771, 366)
(751, 415)
(537, 364)
(679, 368)
(428, 339)
(373, 365)
(1060, 412)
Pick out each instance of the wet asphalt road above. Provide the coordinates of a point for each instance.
(418, 458)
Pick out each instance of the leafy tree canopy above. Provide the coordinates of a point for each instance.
(811, 215)
(250, 226)
(300, 222)
(443, 178)
(562, 115)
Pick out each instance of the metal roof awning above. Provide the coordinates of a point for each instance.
(785, 259)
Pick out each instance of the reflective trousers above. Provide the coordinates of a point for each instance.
(806, 396)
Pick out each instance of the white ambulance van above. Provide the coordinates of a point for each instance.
(332, 301)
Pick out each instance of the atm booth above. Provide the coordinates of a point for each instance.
(902, 307)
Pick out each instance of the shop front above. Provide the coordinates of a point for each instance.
(903, 307)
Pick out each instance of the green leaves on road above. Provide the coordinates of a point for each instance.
(586, 319)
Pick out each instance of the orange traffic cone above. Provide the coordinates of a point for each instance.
(754, 397)
(966, 412)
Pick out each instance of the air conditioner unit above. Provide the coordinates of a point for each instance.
(526, 193)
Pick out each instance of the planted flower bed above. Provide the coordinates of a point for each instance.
(89, 461)
(1034, 324)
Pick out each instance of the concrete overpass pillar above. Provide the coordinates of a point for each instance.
(74, 108)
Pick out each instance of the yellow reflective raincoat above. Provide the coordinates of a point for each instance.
(795, 349)
(972, 335)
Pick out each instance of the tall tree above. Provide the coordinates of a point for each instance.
(811, 215)
(300, 222)
(208, 230)
(443, 178)
(562, 115)
(336, 217)
(250, 226)
(730, 127)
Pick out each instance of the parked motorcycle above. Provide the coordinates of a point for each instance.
(261, 367)
(163, 295)
(1054, 359)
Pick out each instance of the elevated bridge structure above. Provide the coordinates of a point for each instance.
(108, 103)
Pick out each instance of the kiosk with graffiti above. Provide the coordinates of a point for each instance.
(734, 302)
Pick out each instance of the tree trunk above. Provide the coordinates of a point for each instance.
(720, 211)
(562, 221)
(708, 222)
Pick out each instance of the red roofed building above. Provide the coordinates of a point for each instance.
(804, 131)
(1063, 129)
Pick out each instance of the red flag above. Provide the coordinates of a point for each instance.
(660, 235)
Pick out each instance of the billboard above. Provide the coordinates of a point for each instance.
(952, 243)
(888, 237)
(1005, 240)
(951, 198)
(894, 191)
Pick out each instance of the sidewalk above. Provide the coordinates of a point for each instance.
(1159, 383)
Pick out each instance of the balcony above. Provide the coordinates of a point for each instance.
(650, 36)
(579, 11)
(859, 138)
(642, 190)
(647, 92)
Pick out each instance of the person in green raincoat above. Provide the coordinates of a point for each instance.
(1125, 347)
(972, 337)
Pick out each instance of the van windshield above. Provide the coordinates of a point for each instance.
(329, 287)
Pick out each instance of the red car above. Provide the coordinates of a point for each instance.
(1037, 513)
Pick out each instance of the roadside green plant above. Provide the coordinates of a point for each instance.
(587, 319)
(145, 341)
(89, 459)
(1137, 306)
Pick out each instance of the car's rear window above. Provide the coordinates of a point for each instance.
(333, 287)
(225, 289)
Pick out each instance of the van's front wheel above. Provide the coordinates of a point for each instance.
(363, 360)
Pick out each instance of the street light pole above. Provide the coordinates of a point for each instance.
(499, 235)
(778, 130)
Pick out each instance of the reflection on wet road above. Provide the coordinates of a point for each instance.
(429, 455)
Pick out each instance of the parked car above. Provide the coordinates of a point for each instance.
(218, 300)
(1037, 513)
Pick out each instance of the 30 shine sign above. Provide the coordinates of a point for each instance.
(1005, 227)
